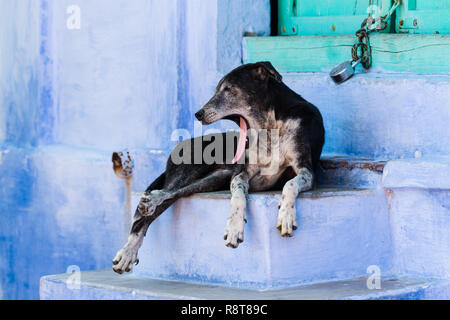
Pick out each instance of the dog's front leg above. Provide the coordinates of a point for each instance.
(234, 232)
(287, 214)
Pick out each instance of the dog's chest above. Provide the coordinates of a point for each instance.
(275, 156)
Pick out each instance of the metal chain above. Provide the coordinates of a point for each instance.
(362, 49)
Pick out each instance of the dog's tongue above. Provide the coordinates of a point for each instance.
(242, 141)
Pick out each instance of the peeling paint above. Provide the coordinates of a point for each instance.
(352, 163)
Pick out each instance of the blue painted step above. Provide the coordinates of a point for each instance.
(342, 231)
(380, 115)
(107, 285)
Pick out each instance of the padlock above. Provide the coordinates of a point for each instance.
(344, 71)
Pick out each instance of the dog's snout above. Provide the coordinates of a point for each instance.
(200, 114)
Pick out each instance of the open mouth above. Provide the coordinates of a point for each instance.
(236, 119)
(243, 128)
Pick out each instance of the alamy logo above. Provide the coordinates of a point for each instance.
(73, 282)
(74, 18)
(263, 148)
(374, 280)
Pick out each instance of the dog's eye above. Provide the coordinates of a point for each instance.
(226, 89)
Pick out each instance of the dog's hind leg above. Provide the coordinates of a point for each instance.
(287, 214)
(128, 255)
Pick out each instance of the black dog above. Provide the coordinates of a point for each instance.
(289, 135)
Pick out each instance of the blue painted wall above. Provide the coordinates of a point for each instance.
(19, 72)
(135, 71)
(132, 73)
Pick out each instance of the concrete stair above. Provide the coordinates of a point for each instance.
(336, 225)
(343, 219)
(105, 284)
(345, 227)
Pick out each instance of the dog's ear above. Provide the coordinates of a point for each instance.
(265, 68)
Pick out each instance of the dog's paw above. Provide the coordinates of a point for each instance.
(149, 202)
(128, 255)
(124, 260)
(234, 232)
(287, 220)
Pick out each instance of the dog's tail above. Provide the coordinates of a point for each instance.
(158, 184)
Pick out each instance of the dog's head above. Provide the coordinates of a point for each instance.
(241, 95)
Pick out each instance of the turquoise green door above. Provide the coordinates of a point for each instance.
(327, 17)
(423, 17)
